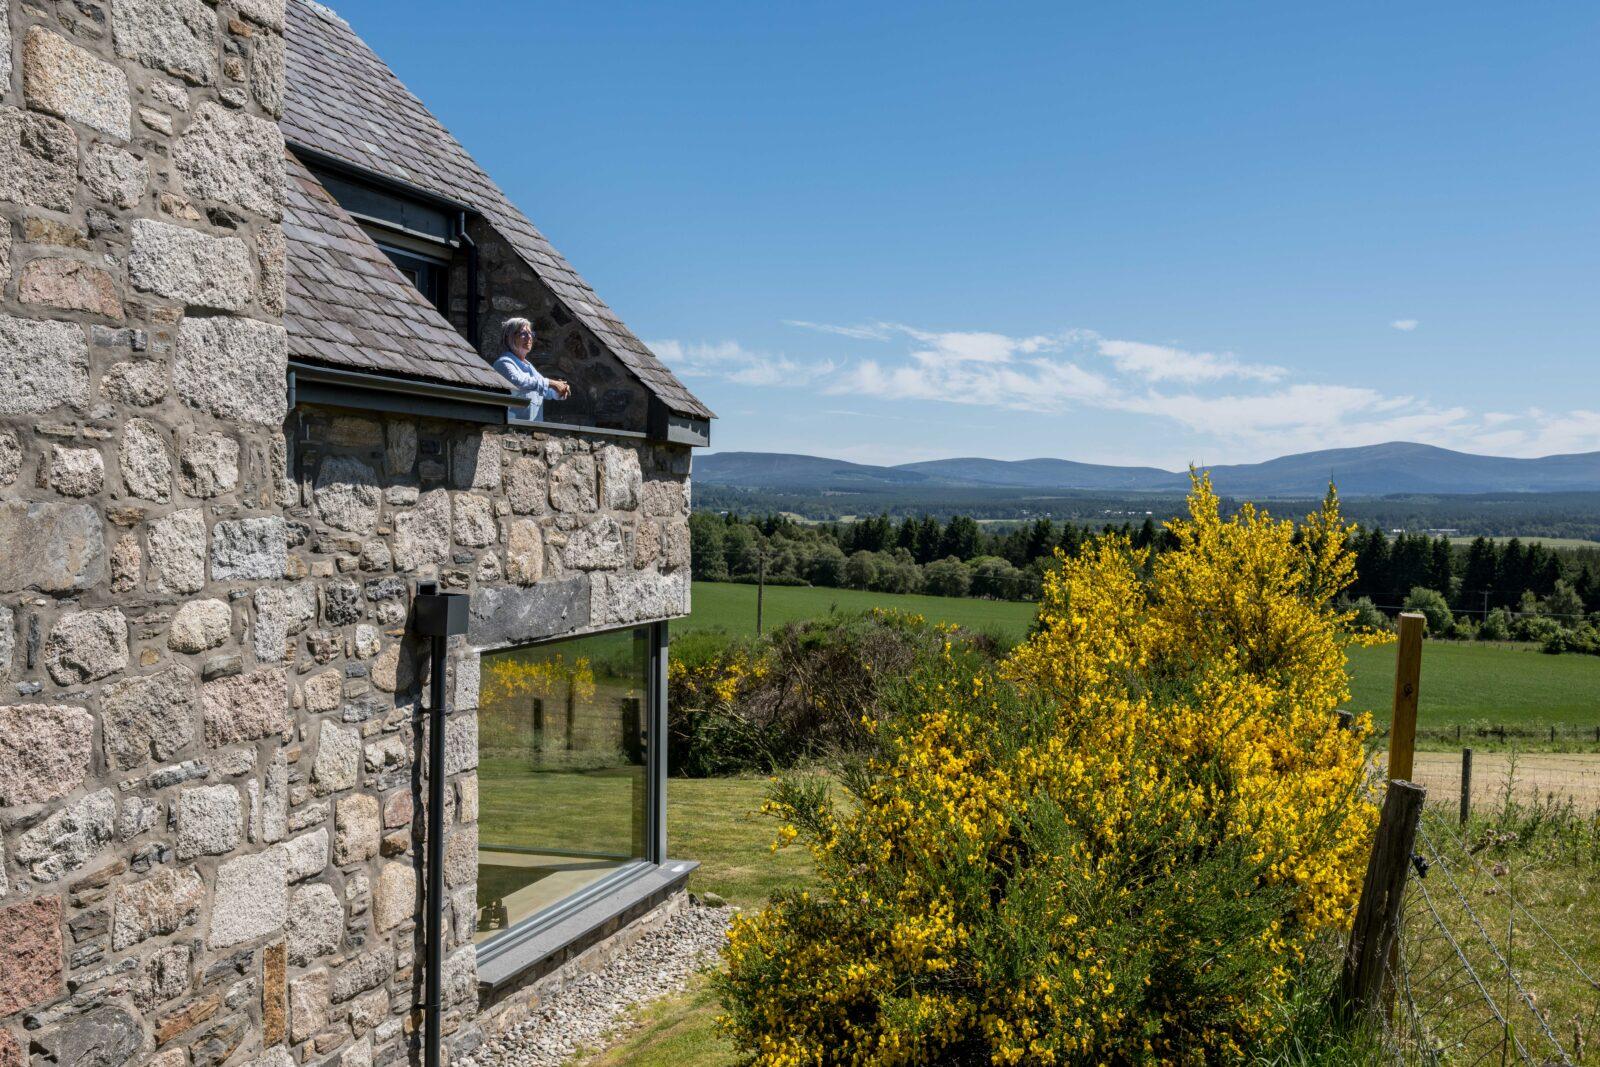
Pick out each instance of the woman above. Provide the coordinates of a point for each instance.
(516, 336)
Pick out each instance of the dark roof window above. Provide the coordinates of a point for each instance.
(369, 204)
(418, 237)
(349, 306)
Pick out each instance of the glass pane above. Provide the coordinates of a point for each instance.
(562, 789)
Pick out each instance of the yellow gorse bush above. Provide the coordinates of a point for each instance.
(1116, 847)
(717, 680)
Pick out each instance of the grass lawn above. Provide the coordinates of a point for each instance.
(718, 822)
(677, 1031)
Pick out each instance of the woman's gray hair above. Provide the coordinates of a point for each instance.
(510, 329)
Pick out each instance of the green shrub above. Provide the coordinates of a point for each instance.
(1535, 628)
(1433, 606)
(1584, 638)
(799, 693)
(1366, 616)
(1496, 626)
(1118, 847)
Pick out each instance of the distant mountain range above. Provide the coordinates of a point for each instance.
(1372, 470)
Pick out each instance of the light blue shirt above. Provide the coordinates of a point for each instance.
(526, 383)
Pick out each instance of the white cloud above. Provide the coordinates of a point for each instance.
(958, 346)
(1159, 363)
(1236, 410)
(870, 332)
(1042, 385)
(1406, 325)
(731, 362)
(1307, 417)
(1541, 433)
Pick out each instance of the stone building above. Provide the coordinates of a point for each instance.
(247, 288)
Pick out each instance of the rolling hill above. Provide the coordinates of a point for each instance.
(1371, 470)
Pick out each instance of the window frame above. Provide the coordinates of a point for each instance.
(438, 271)
(655, 767)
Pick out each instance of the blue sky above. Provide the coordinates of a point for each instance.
(1147, 233)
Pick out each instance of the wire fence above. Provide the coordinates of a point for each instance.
(1490, 963)
(1515, 776)
(1585, 736)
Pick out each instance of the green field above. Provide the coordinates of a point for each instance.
(732, 607)
(1509, 684)
(1505, 684)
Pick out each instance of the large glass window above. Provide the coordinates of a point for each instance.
(563, 791)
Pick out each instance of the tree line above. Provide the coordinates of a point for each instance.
(961, 557)
(1543, 515)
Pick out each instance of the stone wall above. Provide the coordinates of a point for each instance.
(143, 774)
(604, 392)
(551, 533)
(209, 710)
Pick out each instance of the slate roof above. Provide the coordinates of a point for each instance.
(344, 101)
(347, 305)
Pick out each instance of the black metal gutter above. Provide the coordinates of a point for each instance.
(311, 383)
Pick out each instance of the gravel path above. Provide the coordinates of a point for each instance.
(588, 1012)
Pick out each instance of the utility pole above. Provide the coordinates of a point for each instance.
(761, 583)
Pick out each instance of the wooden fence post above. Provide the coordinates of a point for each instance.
(1372, 938)
(761, 587)
(1466, 784)
(1407, 681)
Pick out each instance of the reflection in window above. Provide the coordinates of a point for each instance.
(561, 772)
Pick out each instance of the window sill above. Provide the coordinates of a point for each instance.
(518, 956)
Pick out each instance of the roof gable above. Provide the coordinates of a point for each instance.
(343, 101)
